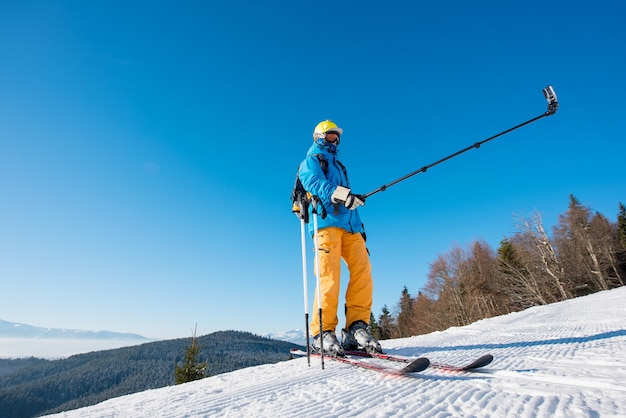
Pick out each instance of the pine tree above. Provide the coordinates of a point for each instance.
(621, 224)
(507, 256)
(190, 370)
(386, 324)
(404, 326)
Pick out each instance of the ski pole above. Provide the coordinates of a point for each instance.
(306, 287)
(553, 105)
(315, 204)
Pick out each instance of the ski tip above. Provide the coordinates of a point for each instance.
(417, 365)
(481, 361)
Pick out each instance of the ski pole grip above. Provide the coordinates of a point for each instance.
(318, 207)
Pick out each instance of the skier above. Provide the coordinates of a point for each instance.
(341, 235)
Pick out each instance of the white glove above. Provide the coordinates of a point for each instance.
(354, 201)
(349, 200)
(340, 195)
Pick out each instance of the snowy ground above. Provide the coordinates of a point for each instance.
(562, 360)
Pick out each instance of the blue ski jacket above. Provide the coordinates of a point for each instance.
(323, 185)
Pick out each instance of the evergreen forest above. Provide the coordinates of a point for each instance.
(583, 254)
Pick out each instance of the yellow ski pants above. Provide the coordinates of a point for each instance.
(334, 244)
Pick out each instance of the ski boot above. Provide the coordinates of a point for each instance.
(331, 344)
(357, 337)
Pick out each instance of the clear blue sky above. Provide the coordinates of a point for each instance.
(148, 148)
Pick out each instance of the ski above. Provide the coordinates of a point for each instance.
(413, 366)
(477, 363)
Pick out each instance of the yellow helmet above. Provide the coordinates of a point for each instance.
(324, 127)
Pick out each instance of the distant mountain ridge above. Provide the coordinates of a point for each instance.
(294, 336)
(17, 330)
(33, 387)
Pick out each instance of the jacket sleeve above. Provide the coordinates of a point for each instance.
(314, 180)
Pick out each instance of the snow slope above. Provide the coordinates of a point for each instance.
(561, 360)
